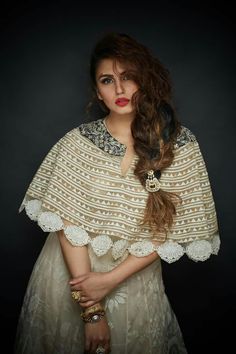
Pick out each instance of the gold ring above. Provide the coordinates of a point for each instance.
(76, 295)
(100, 350)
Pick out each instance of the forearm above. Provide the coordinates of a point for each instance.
(96, 285)
(130, 266)
(76, 258)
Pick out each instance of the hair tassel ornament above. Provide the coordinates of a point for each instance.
(152, 182)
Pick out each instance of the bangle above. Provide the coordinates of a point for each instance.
(95, 317)
(93, 313)
(93, 309)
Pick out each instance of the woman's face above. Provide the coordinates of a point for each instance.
(114, 87)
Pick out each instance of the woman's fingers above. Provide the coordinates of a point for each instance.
(84, 299)
(97, 334)
(88, 345)
(87, 303)
(92, 345)
(76, 287)
(107, 347)
(78, 279)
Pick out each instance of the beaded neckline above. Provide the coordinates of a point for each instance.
(97, 132)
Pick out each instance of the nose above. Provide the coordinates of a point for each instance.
(119, 87)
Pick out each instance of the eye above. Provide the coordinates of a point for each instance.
(125, 77)
(106, 80)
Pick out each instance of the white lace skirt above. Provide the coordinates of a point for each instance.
(139, 314)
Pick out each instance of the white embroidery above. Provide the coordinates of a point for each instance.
(76, 235)
(114, 299)
(110, 324)
(33, 209)
(22, 206)
(119, 248)
(101, 244)
(142, 248)
(170, 251)
(49, 221)
(199, 250)
(215, 244)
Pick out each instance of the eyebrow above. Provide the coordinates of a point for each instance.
(110, 75)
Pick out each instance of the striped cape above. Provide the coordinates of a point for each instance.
(79, 184)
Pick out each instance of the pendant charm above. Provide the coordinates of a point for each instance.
(152, 183)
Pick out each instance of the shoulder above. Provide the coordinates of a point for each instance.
(93, 127)
(94, 130)
(184, 137)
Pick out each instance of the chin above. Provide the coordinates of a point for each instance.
(124, 110)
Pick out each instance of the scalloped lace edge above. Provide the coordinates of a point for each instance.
(170, 251)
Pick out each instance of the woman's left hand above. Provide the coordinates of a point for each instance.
(94, 286)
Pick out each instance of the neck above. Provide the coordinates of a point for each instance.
(120, 124)
(120, 127)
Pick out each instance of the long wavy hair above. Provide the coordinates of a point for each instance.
(155, 125)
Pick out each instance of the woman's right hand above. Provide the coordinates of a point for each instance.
(96, 334)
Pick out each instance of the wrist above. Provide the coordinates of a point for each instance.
(93, 314)
(98, 323)
(94, 318)
(114, 278)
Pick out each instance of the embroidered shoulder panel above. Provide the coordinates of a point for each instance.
(185, 137)
(97, 132)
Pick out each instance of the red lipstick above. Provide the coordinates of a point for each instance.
(122, 101)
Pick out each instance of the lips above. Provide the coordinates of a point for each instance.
(122, 101)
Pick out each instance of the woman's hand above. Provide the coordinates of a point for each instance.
(94, 286)
(97, 334)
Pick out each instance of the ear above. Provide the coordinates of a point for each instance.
(99, 95)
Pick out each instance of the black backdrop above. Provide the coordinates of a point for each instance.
(45, 49)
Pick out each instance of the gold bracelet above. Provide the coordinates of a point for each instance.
(93, 313)
(93, 309)
(95, 317)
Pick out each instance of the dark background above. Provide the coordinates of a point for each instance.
(45, 48)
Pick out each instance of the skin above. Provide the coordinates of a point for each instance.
(78, 262)
(112, 83)
(94, 286)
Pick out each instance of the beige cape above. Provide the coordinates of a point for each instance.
(80, 183)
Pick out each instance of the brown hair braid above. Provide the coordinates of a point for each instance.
(155, 126)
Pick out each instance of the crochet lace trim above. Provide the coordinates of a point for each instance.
(170, 251)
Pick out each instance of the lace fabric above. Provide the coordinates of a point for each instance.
(169, 251)
(80, 182)
(50, 320)
(78, 189)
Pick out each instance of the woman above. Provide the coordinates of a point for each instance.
(116, 195)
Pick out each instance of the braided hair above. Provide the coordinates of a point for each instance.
(155, 125)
